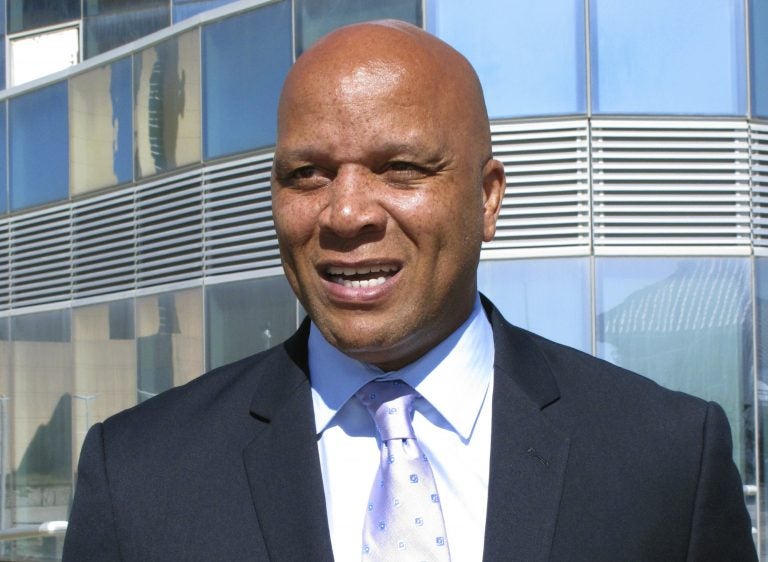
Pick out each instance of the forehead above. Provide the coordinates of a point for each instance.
(346, 85)
(379, 99)
(376, 77)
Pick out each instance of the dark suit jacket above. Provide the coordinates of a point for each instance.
(588, 462)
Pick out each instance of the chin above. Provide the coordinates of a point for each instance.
(368, 348)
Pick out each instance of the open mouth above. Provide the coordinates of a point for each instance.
(365, 276)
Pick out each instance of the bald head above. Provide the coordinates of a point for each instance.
(376, 57)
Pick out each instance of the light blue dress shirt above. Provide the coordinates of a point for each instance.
(452, 423)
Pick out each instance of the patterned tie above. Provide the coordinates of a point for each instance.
(404, 520)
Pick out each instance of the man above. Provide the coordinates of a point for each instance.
(384, 189)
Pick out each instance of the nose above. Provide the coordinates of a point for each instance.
(354, 205)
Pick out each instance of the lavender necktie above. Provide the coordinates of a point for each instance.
(404, 520)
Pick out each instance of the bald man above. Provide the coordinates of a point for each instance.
(384, 189)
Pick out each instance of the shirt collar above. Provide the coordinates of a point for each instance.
(453, 376)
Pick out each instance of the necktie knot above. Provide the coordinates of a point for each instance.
(390, 404)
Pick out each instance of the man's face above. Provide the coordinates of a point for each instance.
(381, 201)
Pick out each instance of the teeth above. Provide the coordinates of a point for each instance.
(348, 271)
(360, 283)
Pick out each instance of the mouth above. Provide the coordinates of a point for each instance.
(361, 276)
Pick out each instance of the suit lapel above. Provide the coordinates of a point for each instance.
(528, 454)
(282, 461)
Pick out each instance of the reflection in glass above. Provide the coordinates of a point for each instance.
(109, 23)
(169, 340)
(2, 61)
(245, 317)
(183, 9)
(758, 57)
(30, 14)
(761, 300)
(3, 166)
(656, 56)
(100, 127)
(547, 296)
(167, 104)
(5, 420)
(687, 324)
(3, 27)
(315, 18)
(105, 363)
(5, 354)
(41, 453)
(240, 96)
(530, 56)
(38, 126)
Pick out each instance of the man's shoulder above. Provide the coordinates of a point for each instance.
(583, 383)
(220, 397)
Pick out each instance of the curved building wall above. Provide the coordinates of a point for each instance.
(137, 247)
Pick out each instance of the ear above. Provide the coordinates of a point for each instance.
(494, 183)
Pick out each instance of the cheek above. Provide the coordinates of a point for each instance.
(295, 218)
(415, 212)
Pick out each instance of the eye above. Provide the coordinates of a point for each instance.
(398, 166)
(307, 177)
(400, 170)
(305, 173)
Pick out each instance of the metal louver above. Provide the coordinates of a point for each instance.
(671, 183)
(657, 186)
(547, 199)
(239, 232)
(5, 264)
(759, 167)
(41, 257)
(169, 229)
(103, 244)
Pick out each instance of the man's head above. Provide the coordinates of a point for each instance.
(384, 189)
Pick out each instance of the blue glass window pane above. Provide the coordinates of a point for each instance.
(3, 6)
(761, 290)
(30, 14)
(40, 433)
(167, 104)
(120, 93)
(184, 9)
(530, 56)
(315, 18)
(758, 41)
(687, 324)
(98, 7)
(5, 365)
(656, 56)
(3, 167)
(547, 296)
(101, 139)
(2, 62)
(245, 317)
(38, 130)
(109, 24)
(169, 340)
(245, 60)
(104, 360)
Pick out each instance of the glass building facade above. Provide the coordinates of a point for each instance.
(137, 248)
